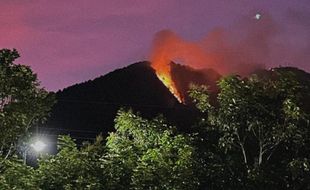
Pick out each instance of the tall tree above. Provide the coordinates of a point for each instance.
(23, 102)
(257, 120)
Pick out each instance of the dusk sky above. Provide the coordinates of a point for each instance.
(68, 42)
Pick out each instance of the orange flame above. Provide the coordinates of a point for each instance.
(163, 72)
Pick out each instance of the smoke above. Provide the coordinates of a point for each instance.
(242, 48)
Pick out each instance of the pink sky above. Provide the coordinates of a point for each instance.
(67, 42)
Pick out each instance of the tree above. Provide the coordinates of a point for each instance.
(72, 168)
(22, 102)
(258, 120)
(17, 176)
(140, 154)
(144, 154)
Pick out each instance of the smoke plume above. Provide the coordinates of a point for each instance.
(242, 48)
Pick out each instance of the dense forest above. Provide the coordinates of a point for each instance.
(253, 134)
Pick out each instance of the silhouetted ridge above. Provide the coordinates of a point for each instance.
(92, 105)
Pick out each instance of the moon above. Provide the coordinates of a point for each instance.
(258, 16)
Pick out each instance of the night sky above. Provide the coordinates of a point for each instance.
(67, 42)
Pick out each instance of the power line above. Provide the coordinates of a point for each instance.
(72, 136)
(70, 130)
(88, 132)
(116, 104)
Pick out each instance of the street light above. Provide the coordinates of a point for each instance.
(38, 146)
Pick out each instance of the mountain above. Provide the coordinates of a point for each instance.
(89, 108)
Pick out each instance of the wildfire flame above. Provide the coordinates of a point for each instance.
(163, 72)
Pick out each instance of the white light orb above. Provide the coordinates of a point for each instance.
(38, 146)
(258, 16)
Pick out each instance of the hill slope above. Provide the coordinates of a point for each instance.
(92, 105)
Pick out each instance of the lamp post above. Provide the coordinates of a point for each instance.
(38, 146)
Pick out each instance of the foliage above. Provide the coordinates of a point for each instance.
(257, 121)
(17, 175)
(140, 154)
(144, 154)
(22, 102)
(200, 97)
(71, 168)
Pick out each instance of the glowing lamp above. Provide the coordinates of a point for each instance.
(38, 146)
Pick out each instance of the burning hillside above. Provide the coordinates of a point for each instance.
(241, 49)
(163, 71)
(177, 78)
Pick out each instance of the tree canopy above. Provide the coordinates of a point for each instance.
(23, 103)
(140, 154)
(262, 129)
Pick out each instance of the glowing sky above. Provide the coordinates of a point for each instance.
(67, 42)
